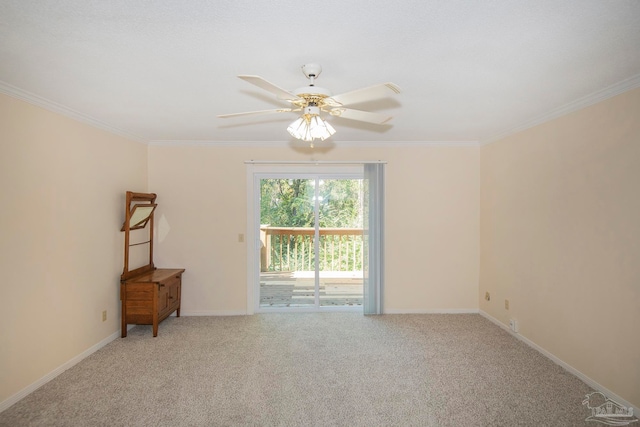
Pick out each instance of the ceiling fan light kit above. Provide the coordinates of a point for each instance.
(312, 100)
(310, 127)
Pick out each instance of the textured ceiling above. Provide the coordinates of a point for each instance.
(469, 70)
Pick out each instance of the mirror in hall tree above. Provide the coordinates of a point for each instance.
(138, 234)
(139, 216)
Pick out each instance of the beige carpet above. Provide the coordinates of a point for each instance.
(316, 369)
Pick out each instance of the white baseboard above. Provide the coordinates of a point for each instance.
(590, 382)
(213, 313)
(390, 311)
(60, 369)
(431, 311)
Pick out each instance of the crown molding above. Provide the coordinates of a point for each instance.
(38, 101)
(405, 144)
(593, 98)
(319, 145)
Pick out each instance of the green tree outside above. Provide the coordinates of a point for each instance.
(291, 202)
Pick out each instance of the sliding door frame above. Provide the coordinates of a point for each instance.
(257, 172)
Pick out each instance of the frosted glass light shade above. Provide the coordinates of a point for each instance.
(297, 128)
(309, 127)
(320, 128)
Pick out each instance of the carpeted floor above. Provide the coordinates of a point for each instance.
(315, 369)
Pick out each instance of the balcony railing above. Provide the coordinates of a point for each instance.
(292, 249)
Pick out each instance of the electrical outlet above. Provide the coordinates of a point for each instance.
(487, 296)
(513, 325)
(104, 316)
(506, 304)
(240, 238)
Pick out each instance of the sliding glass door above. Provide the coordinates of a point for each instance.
(340, 220)
(316, 236)
(311, 242)
(287, 242)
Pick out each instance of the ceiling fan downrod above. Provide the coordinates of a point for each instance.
(311, 71)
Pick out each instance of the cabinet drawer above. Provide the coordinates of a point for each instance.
(138, 292)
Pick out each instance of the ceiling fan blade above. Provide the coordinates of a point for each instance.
(270, 87)
(256, 113)
(366, 94)
(361, 116)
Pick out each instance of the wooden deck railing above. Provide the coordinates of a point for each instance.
(292, 249)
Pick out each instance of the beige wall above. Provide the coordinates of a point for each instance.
(432, 220)
(560, 238)
(62, 206)
(547, 218)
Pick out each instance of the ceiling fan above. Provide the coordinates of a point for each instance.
(312, 100)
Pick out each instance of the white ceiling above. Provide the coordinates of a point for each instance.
(163, 70)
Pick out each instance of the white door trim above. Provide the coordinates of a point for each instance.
(256, 172)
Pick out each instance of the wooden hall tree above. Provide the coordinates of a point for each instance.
(148, 294)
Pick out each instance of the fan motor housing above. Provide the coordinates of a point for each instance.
(311, 91)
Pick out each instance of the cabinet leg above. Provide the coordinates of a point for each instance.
(155, 329)
(178, 312)
(123, 322)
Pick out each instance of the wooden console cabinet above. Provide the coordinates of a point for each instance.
(150, 298)
(148, 294)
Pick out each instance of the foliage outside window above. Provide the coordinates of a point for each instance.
(288, 203)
